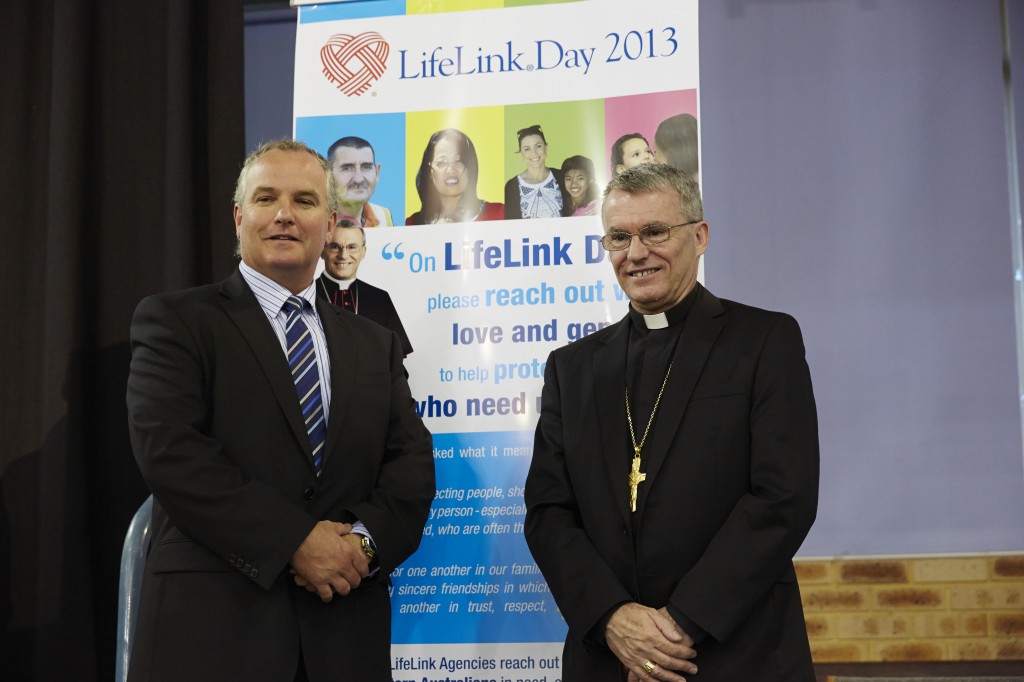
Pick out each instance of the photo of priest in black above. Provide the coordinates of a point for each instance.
(338, 284)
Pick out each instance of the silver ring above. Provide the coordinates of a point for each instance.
(649, 667)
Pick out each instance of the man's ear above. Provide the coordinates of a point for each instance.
(332, 222)
(701, 235)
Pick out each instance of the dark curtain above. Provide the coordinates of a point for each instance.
(123, 130)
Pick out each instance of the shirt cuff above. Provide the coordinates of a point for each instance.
(359, 529)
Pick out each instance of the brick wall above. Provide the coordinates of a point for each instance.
(956, 608)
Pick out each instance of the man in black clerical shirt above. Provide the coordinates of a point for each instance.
(338, 283)
(675, 466)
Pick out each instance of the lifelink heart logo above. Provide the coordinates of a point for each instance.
(353, 63)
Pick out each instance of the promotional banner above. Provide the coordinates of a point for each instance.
(473, 144)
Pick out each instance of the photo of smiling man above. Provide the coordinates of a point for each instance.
(357, 172)
(338, 284)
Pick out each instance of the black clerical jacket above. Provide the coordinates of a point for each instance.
(730, 493)
(374, 304)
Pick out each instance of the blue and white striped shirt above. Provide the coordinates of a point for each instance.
(271, 297)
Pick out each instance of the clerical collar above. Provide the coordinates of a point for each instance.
(656, 321)
(669, 318)
(342, 283)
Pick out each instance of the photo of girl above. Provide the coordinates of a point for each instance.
(630, 150)
(580, 186)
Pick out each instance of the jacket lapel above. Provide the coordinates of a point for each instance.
(703, 325)
(334, 332)
(609, 371)
(244, 310)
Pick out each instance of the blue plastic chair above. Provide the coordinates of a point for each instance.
(133, 558)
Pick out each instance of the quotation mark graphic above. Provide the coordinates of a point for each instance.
(387, 253)
(353, 63)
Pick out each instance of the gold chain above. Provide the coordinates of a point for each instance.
(636, 477)
(629, 414)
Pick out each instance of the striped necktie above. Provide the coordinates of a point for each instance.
(306, 374)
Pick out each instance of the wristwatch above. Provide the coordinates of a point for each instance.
(366, 544)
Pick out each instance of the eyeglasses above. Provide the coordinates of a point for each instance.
(650, 235)
(334, 248)
(442, 166)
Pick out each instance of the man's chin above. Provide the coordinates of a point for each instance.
(645, 304)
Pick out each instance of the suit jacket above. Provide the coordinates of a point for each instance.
(374, 304)
(217, 433)
(731, 491)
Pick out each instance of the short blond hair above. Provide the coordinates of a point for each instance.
(330, 185)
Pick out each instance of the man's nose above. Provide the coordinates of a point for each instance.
(637, 249)
(285, 213)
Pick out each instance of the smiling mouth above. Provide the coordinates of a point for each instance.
(642, 273)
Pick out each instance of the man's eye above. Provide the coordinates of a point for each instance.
(347, 167)
(619, 237)
(655, 231)
(366, 168)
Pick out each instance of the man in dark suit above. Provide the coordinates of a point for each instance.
(279, 512)
(338, 284)
(675, 468)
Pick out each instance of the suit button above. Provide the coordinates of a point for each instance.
(308, 493)
(254, 573)
(246, 568)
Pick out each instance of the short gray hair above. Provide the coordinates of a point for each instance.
(352, 225)
(657, 177)
(330, 185)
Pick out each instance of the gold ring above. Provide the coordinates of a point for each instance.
(649, 667)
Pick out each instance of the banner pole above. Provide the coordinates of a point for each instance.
(1013, 177)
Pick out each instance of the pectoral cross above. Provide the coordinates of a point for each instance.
(635, 479)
